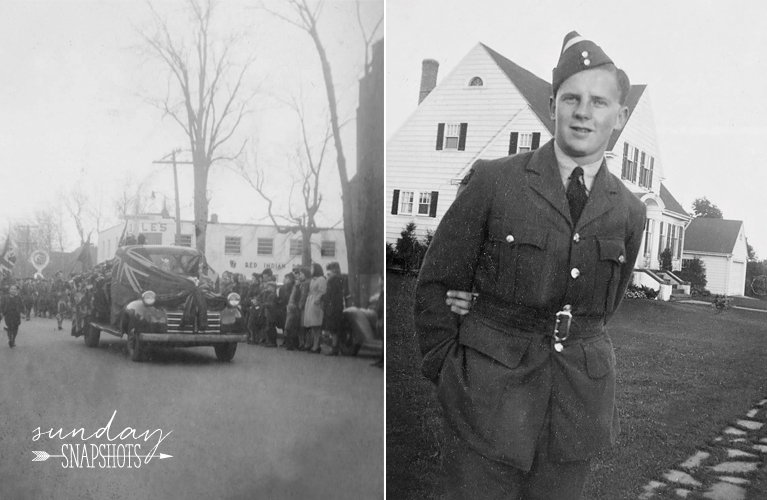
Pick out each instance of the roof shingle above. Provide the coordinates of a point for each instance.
(712, 235)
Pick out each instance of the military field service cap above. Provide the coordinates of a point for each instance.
(578, 54)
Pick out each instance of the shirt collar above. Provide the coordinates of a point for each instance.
(567, 164)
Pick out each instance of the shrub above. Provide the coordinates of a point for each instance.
(699, 291)
(408, 252)
(665, 260)
(640, 292)
(695, 273)
(721, 303)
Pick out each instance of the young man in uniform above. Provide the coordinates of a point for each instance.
(12, 308)
(547, 240)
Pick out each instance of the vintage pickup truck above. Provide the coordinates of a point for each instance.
(160, 296)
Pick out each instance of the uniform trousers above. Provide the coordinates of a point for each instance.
(471, 476)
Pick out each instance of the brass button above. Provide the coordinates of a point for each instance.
(585, 53)
(586, 62)
(575, 272)
(510, 239)
(621, 259)
(576, 237)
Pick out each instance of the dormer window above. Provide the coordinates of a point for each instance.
(476, 82)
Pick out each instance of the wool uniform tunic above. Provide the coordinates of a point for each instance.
(509, 237)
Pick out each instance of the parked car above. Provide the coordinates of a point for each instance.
(161, 296)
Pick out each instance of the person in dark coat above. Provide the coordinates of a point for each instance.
(293, 314)
(12, 308)
(547, 240)
(283, 298)
(270, 304)
(333, 305)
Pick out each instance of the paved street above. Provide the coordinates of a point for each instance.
(271, 424)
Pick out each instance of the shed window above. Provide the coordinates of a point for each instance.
(265, 246)
(232, 245)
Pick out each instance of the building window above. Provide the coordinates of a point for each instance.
(406, 202)
(521, 143)
(452, 136)
(183, 240)
(645, 171)
(476, 82)
(525, 142)
(232, 245)
(649, 227)
(662, 238)
(452, 132)
(630, 160)
(686, 263)
(424, 203)
(403, 203)
(328, 249)
(674, 241)
(296, 246)
(265, 246)
(152, 238)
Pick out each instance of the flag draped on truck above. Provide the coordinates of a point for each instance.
(173, 274)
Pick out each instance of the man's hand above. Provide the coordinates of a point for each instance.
(460, 302)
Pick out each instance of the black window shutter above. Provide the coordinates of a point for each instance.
(440, 135)
(395, 202)
(513, 143)
(433, 208)
(536, 140)
(462, 137)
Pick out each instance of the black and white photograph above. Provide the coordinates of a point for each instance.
(575, 238)
(192, 249)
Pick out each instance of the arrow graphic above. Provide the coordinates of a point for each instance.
(41, 456)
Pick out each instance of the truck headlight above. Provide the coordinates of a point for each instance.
(233, 299)
(148, 298)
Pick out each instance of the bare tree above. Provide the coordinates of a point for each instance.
(132, 195)
(49, 230)
(307, 160)
(204, 94)
(305, 17)
(77, 203)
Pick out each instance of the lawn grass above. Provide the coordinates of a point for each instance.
(684, 374)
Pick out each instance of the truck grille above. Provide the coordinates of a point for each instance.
(174, 322)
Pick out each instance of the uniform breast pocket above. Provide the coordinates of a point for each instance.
(612, 258)
(518, 257)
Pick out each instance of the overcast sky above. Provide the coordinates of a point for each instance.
(75, 112)
(704, 62)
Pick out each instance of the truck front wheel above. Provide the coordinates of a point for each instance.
(225, 352)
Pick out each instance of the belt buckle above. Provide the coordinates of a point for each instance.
(568, 319)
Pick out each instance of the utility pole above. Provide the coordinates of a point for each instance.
(174, 162)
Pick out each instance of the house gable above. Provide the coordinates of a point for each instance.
(414, 162)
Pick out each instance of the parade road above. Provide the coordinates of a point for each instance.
(82, 423)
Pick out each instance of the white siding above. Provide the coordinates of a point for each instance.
(716, 271)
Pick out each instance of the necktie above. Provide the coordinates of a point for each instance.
(576, 194)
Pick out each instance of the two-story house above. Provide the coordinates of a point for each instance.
(489, 107)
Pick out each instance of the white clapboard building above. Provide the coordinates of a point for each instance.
(489, 107)
(238, 248)
(721, 245)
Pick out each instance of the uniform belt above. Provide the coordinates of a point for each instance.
(535, 320)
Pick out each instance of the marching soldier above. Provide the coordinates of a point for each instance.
(12, 308)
